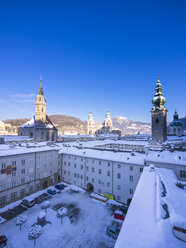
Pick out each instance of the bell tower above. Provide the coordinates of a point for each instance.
(40, 107)
(108, 121)
(159, 115)
(90, 124)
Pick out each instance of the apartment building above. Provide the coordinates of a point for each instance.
(102, 171)
(26, 170)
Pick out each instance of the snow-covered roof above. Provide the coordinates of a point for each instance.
(124, 157)
(176, 157)
(7, 151)
(146, 224)
(31, 123)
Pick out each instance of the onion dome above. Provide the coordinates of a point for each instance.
(158, 100)
(175, 116)
(90, 116)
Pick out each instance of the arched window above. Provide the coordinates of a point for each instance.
(157, 120)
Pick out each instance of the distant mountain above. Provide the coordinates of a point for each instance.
(72, 125)
(131, 127)
(65, 124)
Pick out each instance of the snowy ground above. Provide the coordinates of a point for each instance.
(86, 228)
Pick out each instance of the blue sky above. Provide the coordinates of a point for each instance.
(93, 55)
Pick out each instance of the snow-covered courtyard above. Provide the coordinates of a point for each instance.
(84, 226)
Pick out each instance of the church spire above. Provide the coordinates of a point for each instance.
(41, 87)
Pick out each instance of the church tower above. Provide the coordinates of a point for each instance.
(159, 115)
(90, 124)
(40, 107)
(108, 120)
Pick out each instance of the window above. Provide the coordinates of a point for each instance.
(99, 181)
(13, 195)
(3, 200)
(118, 197)
(157, 120)
(87, 168)
(99, 191)
(92, 180)
(13, 184)
(74, 174)
(81, 159)
(3, 187)
(13, 163)
(74, 158)
(92, 169)
(50, 172)
(22, 180)
(183, 173)
(64, 171)
(23, 162)
(108, 164)
(69, 173)
(131, 178)
(13, 173)
(81, 167)
(68, 156)
(118, 175)
(30, 188)
(93, 161)
(119, 166)
(131, 191)
(77, 175)
(131, 167)
(108, 184)
(22, 192)
(3, 165)
(141, 169)
(65, 163)
(22, 171)
(87, 178)
(99, 162)
(68, 164)
(118, 187)
(108, 173)
(74, 165)
(81, 176)
(99, 171)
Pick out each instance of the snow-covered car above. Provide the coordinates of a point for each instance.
(113, 232)
(3, 241)
(119, 215)
(28, 203)
(59, 186)
(51, 191)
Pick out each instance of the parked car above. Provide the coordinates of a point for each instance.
(123, 208)
(112, 232)
(59, 186)
(3, 241)
(119, 215)
(51, 191)
(28, 203)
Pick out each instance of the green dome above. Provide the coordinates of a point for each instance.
(158, 100)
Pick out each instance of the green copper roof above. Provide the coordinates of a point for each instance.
(158, 100)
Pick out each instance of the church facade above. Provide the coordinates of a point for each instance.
(39, 127)
(177, 127)
(99, 128)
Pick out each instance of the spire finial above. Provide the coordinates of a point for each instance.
(41, 77)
